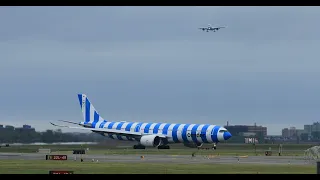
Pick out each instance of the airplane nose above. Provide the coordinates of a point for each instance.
(227, 135)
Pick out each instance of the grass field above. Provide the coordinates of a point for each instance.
(43, 167)
(223, 149)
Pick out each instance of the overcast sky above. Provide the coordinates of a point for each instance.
(152, 64)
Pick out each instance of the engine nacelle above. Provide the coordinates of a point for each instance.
(150, 140)
(193, 145)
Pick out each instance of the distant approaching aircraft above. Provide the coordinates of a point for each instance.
(210, 28)
(158, 135)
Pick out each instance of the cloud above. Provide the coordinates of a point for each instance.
(153, 64)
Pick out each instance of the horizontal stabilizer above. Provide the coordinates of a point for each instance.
(69, 122)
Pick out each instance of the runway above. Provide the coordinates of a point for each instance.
(180, 159)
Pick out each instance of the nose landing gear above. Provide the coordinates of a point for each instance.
(214, 147)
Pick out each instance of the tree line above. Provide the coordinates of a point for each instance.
(49, 136)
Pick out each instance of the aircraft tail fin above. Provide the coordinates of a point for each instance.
(90, 114)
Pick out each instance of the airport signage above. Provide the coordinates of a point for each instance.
(56, 157)
(60, 172)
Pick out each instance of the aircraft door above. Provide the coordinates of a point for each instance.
(189, 134)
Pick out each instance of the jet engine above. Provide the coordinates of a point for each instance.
(193, 145)
(150, 140)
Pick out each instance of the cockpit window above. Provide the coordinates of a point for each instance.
(222, 131)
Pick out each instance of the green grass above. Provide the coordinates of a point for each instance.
(43, 167)
(223, 149)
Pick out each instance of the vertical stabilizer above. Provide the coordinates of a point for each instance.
(90, 114)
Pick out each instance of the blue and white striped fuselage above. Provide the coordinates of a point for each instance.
(138, 131)
(176, 133)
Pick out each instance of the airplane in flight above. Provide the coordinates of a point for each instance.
(159, 135)
(210, 28)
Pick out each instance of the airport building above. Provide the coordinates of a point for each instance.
(247, 130)
(289, 132)
(310, 131)
(315, 127)
(9, 127)
(25, 128)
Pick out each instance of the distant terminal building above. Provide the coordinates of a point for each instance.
(9, 127)
(25, 128)
(247, 130)
(315, 127)
(309, 132)
(20, 129)
(289, 132)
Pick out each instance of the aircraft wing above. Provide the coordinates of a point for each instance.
(110, 131)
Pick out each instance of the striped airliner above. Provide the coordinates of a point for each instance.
(149, 134)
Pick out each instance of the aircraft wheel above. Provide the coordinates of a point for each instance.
(214, 146)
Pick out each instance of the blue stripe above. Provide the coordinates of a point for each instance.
(146, 129)
(119, 137)
(137, 128)
(165, 129)
(156, 128)
(80, 99)
(87, 110)
(204, 134)
(194, 133)
(119, 126)
(110, 125)
(102, 124)
(96, 119)
(110, 136)
(214, 135)
(184, 133)
(175, 133)
(129, 126)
